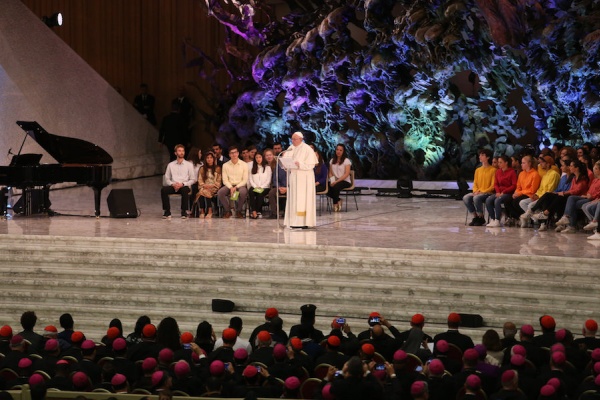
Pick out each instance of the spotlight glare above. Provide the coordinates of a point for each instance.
(55, 20)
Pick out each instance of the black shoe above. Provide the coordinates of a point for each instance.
(480, 221)
(167, 214)
(473, 222)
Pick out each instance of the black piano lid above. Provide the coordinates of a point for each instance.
(64, 149)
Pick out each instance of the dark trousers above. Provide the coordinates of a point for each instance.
(513, 209)
(334, 191)
(205, 203)
(185, 197)
(257, 199)
(553, 203)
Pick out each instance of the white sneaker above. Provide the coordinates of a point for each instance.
(494, 224)
(569, 229)
(524, 222)
(540, 217)
(591, 226)
(543, 227)
(527, 215)
(595, 236)
(564, 220)
(560, 228)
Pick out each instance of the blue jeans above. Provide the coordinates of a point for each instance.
(592, 210)
(474, 203)
(574, 203)
(494, 205)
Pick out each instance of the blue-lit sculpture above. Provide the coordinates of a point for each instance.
(390, 99)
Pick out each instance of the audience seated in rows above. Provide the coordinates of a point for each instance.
(535, 192)
(376, 364)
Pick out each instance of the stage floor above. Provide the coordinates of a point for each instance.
(384, 222)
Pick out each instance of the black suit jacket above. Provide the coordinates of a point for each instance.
(145, 106)
(453, 336)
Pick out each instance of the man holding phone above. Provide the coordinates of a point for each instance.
(377, 319)
(349, 343)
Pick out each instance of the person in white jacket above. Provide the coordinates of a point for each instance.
(259, 181)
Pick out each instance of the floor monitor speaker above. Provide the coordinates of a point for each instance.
(471, 320)
(222, 305)
(121, 204)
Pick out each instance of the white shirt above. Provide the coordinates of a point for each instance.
(239, 344)
(338, 170)
(262, 178)
(183, 173)
(197, 169)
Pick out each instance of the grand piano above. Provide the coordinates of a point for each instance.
(79, 161)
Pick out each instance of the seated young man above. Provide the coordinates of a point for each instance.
(179, 178)
(235, 178)
(483, 186)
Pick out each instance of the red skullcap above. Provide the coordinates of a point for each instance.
(368, 349)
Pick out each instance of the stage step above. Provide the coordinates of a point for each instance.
(97, 279)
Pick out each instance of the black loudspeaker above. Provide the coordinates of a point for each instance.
(121, 204)
(471, 320)
(221, 305)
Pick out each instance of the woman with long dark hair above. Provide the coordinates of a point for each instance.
(505, 183)
(321, 173)
(556, 204)
(209, 182)
(575, 203)
(339, 175)
(136, 336)
(205, 337)
(259, 181)
(167, 334)
(195, 157)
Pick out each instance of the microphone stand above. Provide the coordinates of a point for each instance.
(287, 183)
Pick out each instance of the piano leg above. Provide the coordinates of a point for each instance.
(46, 201)
(3, 202)
(97, 192)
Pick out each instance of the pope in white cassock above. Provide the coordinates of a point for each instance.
(301, 205)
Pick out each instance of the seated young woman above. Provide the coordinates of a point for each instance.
(592, 212)
(259, 181)
(554, 202)
(528, 183)
(195, 157)
(568, 222)
(321, 173)
(505, 183)
(339, 176)
(209, 182)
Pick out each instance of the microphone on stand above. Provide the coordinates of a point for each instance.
(277, 186)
